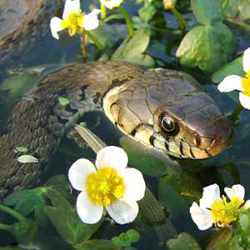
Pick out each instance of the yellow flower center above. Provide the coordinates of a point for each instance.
(225, 212)
(105, 186)
(246, 84)
(73, 22)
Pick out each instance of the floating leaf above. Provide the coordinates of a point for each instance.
(27, 159)
(133, 49)
(66, 221)
(232, 68)
(184, 241)
(206, 47)
(207, 11)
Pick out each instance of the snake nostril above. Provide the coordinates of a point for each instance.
(197, 140)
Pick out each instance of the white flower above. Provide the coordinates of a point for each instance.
(111, 4)
(74, 20)
(235, 82)
(214, 209)
(111, 185)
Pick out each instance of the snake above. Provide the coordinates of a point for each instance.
(160, 108)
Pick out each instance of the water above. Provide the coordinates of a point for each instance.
(230, 167)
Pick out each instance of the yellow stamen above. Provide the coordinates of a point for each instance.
(225, 212)
(105, 186)
(246, 84)
(74, 23)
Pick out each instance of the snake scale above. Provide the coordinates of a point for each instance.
(161, 108)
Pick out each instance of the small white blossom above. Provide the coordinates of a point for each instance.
(109, 185)
(111, 4)
(74, 20)
(214, 209)
(242, 84)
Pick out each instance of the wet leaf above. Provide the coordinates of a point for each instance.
(66, 221)
(27, 159)
(97, 245)
(133, 49)
(206, 47)
(206, 11)
(183, 241)
(232, 68)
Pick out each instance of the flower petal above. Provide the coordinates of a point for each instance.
(79, 171)
(230, 83)
(245, 101)
(246, 60)
(55, 26)
(235, 191)
(112, 156)
(201, 217)
(111, 4)
(134, 184)
(123, 212)
(209, 195)
(71, 6)
(91, 20)
(88, 212)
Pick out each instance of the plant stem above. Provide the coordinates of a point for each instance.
(180, 19)
(84, 47)
(12, 212)
(5, 227)
(235, 116)
(103, 11)
(128, 20)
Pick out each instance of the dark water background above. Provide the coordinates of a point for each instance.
(51, 53)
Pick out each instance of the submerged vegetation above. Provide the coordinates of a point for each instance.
(210, 40)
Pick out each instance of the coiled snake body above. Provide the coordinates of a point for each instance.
(161, 108)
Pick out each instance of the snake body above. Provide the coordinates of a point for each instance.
(161, 108)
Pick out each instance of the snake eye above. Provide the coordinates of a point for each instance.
(168, 124)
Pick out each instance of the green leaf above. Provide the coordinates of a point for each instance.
(183, 241)
(97, 245)
(66, 221)
(207, 11)
(206, 47)
(126, 239)
(27, 159)
(232, 68)
(143, 159)
(132, 50)
(26, 201)
(21, 149)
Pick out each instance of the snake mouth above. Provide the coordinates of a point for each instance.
(221, 140)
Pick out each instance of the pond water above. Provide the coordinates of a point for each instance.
(232, 166)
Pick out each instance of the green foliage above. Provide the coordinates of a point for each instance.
(67, 223)
(126, 239)
(133, 49)
(183, 241)
(232, 68)
(207, 12)
(63, 101)
(202, 47)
